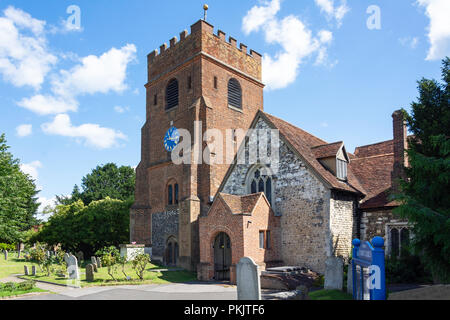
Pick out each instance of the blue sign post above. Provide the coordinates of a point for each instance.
(371, 256)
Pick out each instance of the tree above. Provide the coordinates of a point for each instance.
(425, 193)
(18, 202)
(104, 181)
(78, 227)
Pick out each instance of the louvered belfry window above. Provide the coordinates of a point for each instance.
(172, 94)
(234, 94)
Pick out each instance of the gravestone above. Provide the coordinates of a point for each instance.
(6, 254)
(90, 273)
(80, 256)
(33, 270)
(99, 262)
(66, 258)
(334, 273)
(25, 270)
(248, 280)
(94, 261)
(350, 280)
(72, 268)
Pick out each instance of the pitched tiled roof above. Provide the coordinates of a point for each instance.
(373, 165)
(304, 143)
(241, 204)
(327, 150)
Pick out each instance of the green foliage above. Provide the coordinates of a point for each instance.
(139, 263)
(104, 181)
(18, 201)
(13, 286)
(6, 246)
(110, 257)
(406, 269)
(425, 195)
(38, 255)
(87, 228)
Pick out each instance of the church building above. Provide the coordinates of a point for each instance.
(205, 217)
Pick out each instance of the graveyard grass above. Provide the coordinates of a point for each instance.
(102, 278)
(13, 265)
(329, 295)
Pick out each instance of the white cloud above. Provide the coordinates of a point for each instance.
(120, 109)
(92, 75)
(45, 105)
(96, 74)
(93, 134)
(24, 130)
(294, 37)
(439, 29)
(24, 57)
(333, 12)
(409, 42)
(31, 169)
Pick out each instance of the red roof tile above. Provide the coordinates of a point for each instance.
(241, 204)
(327, 150)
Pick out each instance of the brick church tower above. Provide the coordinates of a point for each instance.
(202, 77)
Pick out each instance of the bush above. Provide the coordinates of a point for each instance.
(110, 257)
(407, 268)
(22, 286)
(140, 263)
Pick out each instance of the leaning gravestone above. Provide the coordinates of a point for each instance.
(72, 268)
(25, 270)
(248, 280)
(334, 273)
(90, 273)
(33, 270)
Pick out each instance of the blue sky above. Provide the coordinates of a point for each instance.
(73, 98)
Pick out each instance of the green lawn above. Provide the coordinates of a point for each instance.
(329, 295)
(4, 294)
(102, 278)
(13, 265)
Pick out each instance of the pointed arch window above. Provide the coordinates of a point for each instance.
(234, 94)
(260, 181)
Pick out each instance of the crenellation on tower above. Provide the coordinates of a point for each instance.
(202, 39)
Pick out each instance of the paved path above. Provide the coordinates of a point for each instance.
(44, 286)
(191, 291)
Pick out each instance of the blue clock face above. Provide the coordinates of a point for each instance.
(171, 139)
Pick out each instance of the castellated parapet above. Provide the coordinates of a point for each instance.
(203, 41)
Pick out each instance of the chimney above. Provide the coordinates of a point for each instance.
(400, 146)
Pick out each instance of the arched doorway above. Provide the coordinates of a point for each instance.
(222, 257)
(171, 251)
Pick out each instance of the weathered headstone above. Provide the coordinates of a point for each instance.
(99, 262)
(80, 256)
(350, 279)
(334, 273)
(90, 273)
(25, 270)
(94, 260)
(72, 268)
(66, 258)
(248, 280)
(33, 270)
(6, 254)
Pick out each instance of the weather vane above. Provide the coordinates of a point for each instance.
(205, 7)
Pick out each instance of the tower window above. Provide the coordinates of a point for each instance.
(155, 99)
(172, 94)
(189, 83)
(170, 198)
(215, 82)
(172, 193)
(234, 94)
